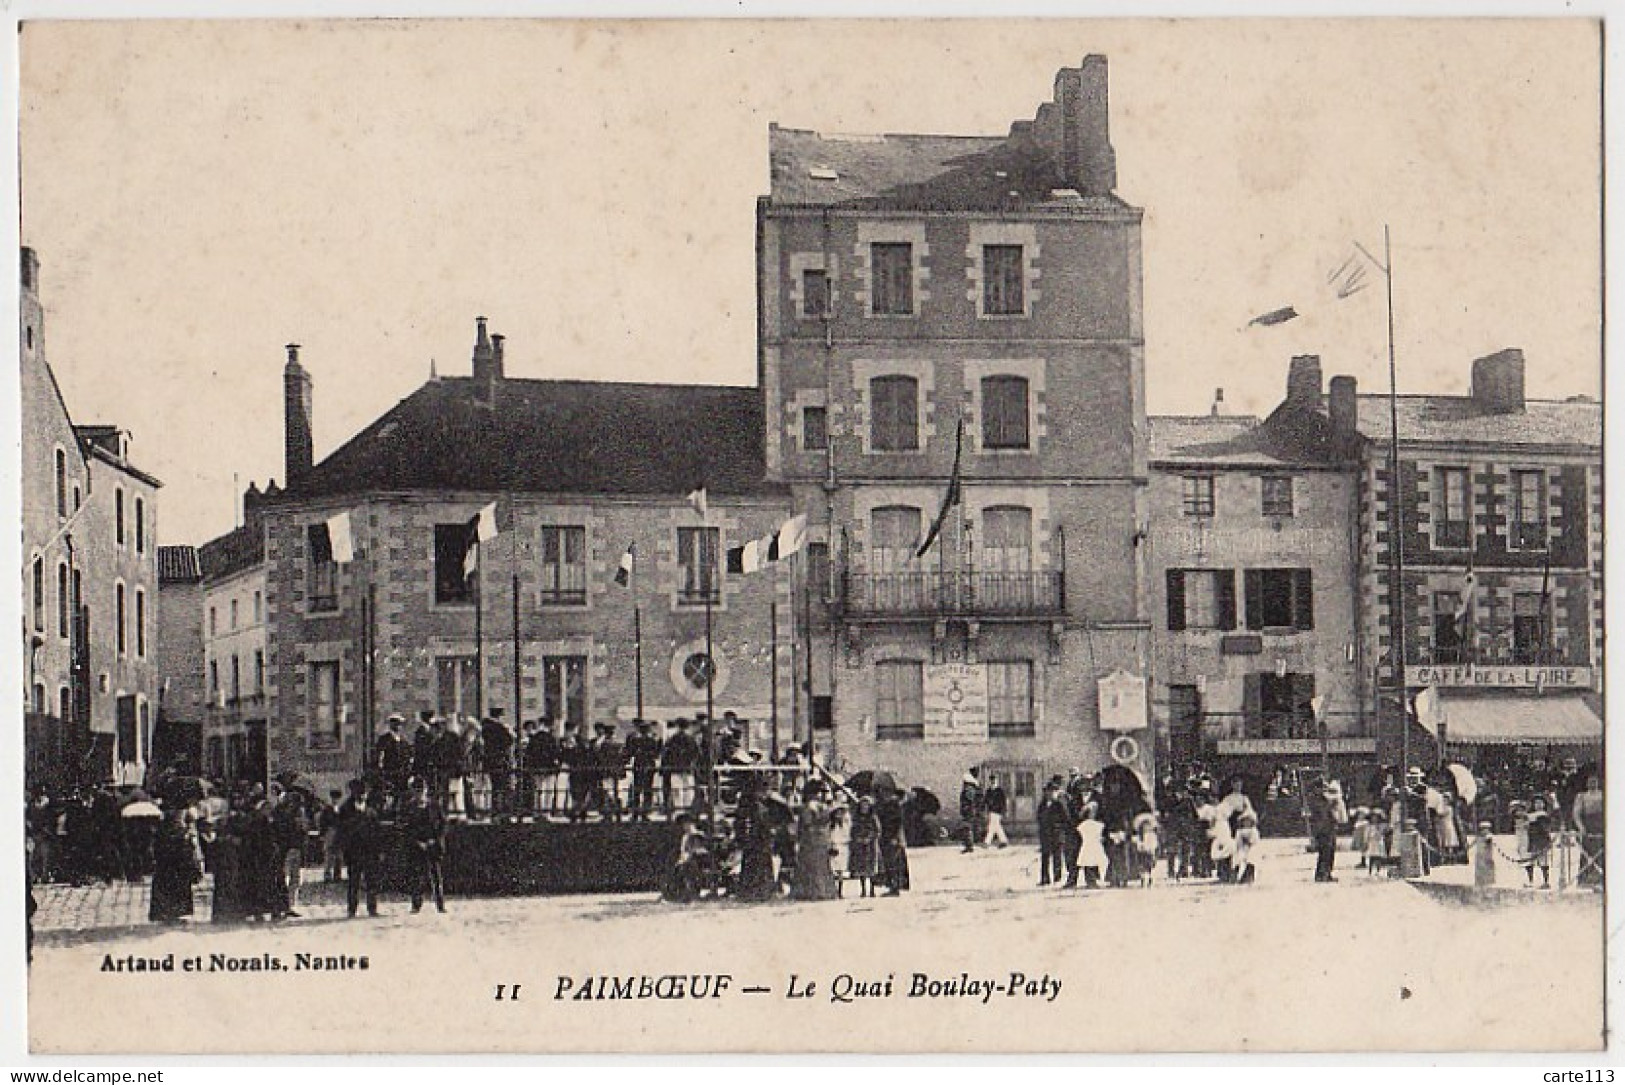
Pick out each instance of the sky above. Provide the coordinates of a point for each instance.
(200, 194)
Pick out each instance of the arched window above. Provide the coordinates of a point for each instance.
(894, 535)
(894, 414)
(140, 526)
(64, 607)
(120, 630)
(118, 517)
(1004, 412)
(1007, 539)
(61, 484)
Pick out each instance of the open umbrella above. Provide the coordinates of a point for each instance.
(142, 809)
(926, 802)
(869, 782)
(1466, 785)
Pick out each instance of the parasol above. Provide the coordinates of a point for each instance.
(1466, 785)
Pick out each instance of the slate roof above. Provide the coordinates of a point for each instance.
(242, 548)
(178, 565)
(918, 172)
(1460, 420)
(1196, 437)
(544, 436)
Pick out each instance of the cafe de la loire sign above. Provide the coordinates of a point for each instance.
(1499, 676)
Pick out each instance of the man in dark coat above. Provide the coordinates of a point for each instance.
(392, 760)
(174, 871)
(678, 762)
(970, 808)
(424, 827)
(446, 764)
(577, 754)
(643, 751)
(496, 751)
(1323, 832)
(1053, 828)
(542, 766)
(423, 747)
(610, 762)
(361, 837)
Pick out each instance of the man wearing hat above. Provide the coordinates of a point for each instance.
(678, 761)
(392, 760)
(1053, 826)
(611, 765)
(1323, 830)
(496, 755)
(423, 746)
(643, 751)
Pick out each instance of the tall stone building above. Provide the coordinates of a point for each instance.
(90, 579)
(231, 614)
(533, 621)
(179, 636)
(913, 288)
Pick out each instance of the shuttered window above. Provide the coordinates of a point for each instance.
(1201, 599)
(894, 414)
(1004, 412)
(1280, 599)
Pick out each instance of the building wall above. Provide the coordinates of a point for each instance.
(233, 712)
(394, 537)
(180, 651)
(1079, 347)
(84, 539)
(1319, 536)
(1500, 569)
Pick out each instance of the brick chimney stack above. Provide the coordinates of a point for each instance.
(1498, 382)
(1097, 161)
(487, 363)
(1303, 381)
(1343, 406)
(298, 453)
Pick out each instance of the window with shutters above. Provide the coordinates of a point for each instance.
(1007, 539)
(1004, 281)
(325, 726)
(815, 293)
(899, 699)
(120, 629)
(1528, 627)
(1447, 646)
(1452, 527)
(1201, 599)
(894, 414)
(564, 565)
(1528, 511)
(61, 484)
(64, 606)
(454, 563)
(1010, 698)
(456, 683)
(1004, 413)
(39, 594)
(698, 574)
(894, 535)
(1280, 599)
(322, 573)
(891, 278)
(814, 429)
(1197, 495)
(1277, 495)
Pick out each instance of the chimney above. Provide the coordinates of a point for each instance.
(297, 449)
(1218, 403)
(1303, 381)
(1498, 382)
(1096, 173)
(487, 363)
(1343, 406)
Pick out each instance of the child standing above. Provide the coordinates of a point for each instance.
(1362, 829)
(1246, 840)
(1092, 856)
(863, 856)
(1484, 858)
(1540, 846)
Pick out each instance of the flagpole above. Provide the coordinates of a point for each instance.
(1396, 541)
(773, 674)
(517, 716)
(708, 554)
(479, 626)
(637, 627)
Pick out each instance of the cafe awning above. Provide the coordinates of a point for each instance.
(1542, 720)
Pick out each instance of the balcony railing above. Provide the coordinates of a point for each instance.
(946, 595)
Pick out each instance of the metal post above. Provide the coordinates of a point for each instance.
(1396, 540)
(479, 629)
(773, 669)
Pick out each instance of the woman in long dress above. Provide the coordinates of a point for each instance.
(893, 852)
(226, 863)
(815, 879)
(174, 871)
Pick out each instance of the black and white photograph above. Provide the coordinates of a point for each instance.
(554, 536)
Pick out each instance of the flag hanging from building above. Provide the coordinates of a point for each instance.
(697, 498)
(623, 575)
(340, 538)
(949, 499)
(1464, 608)
(484, 524)
(790, 537)
(1429, 712)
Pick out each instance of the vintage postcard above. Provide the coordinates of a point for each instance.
(553, 536)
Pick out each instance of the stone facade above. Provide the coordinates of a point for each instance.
(90, 581)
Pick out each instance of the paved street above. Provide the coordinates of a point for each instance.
(1283, 963)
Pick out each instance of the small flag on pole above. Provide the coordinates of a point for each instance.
(1464, 609)
(340, 538)
(1428, 710)
(791, 537)
(1273, 317)
(484, 523)
(697, 499)
(623, 575)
